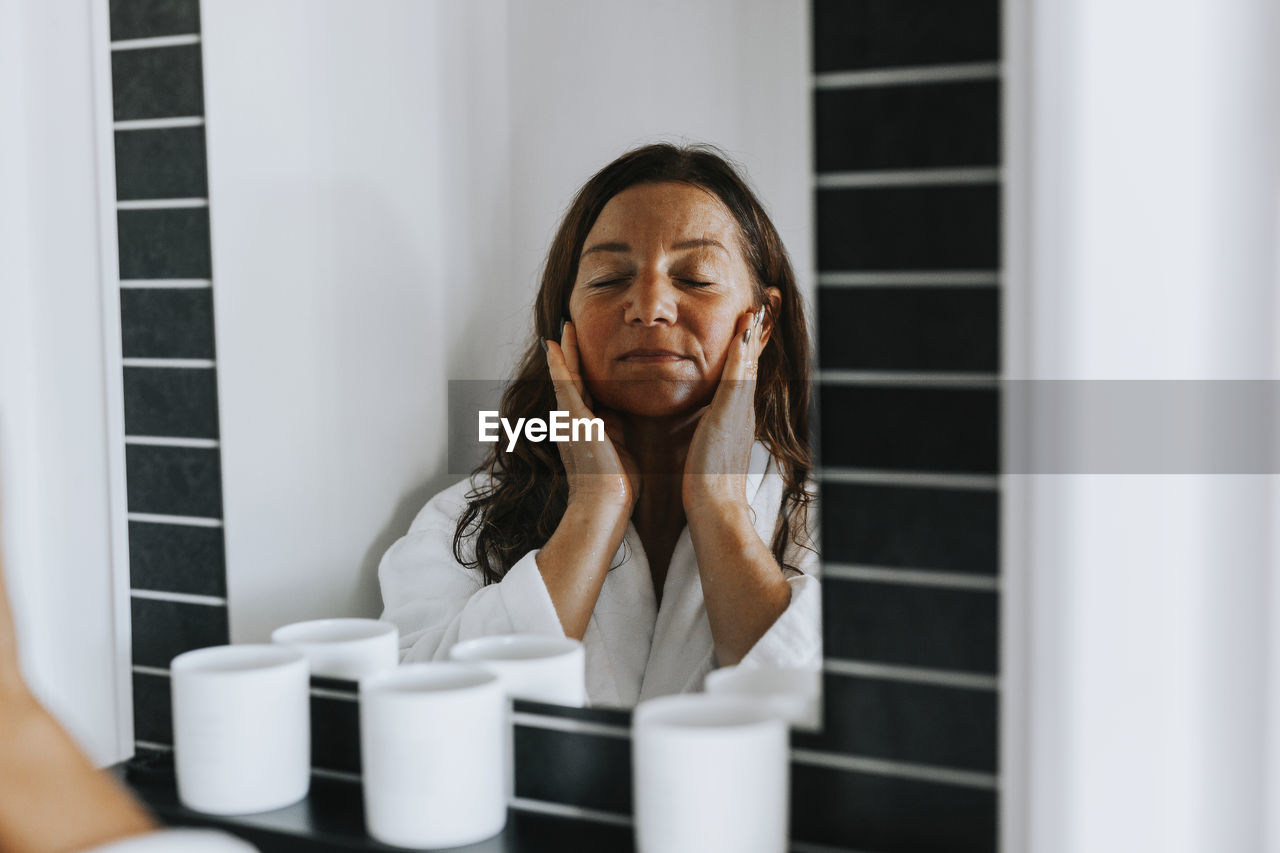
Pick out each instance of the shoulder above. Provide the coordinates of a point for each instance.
(447, 506)
(773, 484)
(422, 562)
(802, 551)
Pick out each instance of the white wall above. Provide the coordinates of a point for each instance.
(384, 180)
(57, 433)
(1141, 225)
(589, 80)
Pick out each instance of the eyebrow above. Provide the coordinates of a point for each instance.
(683, 244)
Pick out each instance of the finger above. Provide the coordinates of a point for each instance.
(737, 380)
(566, 390)
(572, 358)
(740, 365)
(755, 347)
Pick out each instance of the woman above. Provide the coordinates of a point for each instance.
(682, 542)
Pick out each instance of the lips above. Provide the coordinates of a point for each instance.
(648, 354)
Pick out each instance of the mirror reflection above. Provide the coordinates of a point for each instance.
(677, 540)
(392, 214)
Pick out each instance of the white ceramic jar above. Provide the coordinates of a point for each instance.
(531, 666)
(710, 775)
(433, 742)
(343, 648)
(241, 728)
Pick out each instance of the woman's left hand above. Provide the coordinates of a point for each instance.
(715, 469)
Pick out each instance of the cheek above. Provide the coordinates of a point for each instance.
(592, 338)
(716, 333)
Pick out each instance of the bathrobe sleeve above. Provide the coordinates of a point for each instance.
(794, 641)
(436, 601)
(186, 840)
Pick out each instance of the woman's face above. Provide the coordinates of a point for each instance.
(661, 284)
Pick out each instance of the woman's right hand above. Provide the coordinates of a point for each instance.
(603, 487)
(601, 474)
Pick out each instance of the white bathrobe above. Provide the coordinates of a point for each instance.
(635, 650)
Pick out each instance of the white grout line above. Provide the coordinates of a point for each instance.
(170, 441)
(155, 41)
(910, 577)
(158, 123)
(152, 745)
(913, 674)
(900, 769)
(187, 520)
(905, 178)
(912, 278)
(986, 482)
(161, 203)
(151, 670)
(181, 597)
(561, 810)
(899, 76)
(337, 775)
(325, 693)
(564, 724)
(201, 363)
(165, 283)
(907, 377)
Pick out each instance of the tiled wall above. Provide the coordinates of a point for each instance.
(906, 96)
(174, 482)
(907, 113)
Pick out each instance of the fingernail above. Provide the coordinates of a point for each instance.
(543, 341)
(746, 336)
(760, 316)
(560, 336)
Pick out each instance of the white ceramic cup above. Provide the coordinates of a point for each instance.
(241, 728)
(710, 775)
(343, 648)
(433, 741)
(793, 694)
(531, 666)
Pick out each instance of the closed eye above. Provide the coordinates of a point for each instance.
(609, 282)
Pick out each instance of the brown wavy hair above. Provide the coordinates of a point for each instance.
(527, 493)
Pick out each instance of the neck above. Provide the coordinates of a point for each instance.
(659, 445)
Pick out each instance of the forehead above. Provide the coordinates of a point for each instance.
(663, 213)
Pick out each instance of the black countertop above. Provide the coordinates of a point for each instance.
(331, 818)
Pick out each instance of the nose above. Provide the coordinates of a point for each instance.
(651, 299)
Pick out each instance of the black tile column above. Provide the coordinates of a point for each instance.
(172, 455)
(907, 148)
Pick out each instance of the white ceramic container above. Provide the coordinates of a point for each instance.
(241, 728)
(343, 648)
(531, 666)
(710, 775)
(433, 741)
(793, 694)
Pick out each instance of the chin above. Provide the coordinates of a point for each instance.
(653, 398)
